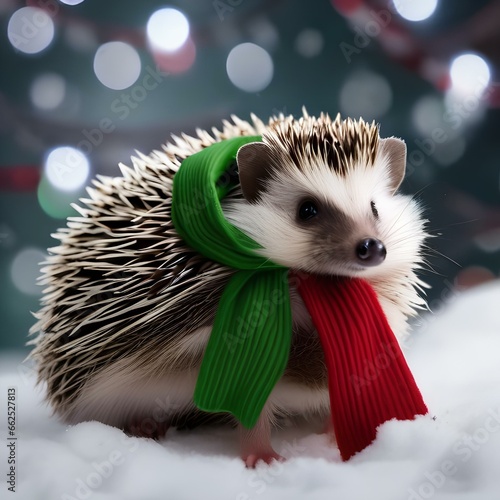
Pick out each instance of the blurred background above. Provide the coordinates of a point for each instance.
(83, 83)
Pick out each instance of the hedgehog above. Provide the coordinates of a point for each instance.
(128, 306)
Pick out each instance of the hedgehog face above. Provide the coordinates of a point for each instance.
(328, 209)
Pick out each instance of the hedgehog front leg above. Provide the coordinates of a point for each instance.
(255, 443)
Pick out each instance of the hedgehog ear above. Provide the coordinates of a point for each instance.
(254, 167)
(394, 152)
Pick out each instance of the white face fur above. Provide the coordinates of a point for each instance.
(350, 208)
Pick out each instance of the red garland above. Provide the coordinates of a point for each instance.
(368, 377)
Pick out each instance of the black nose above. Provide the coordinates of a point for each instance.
(371, 252)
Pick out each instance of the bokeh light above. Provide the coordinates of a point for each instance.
(71, 2)
(473, 276)
(309, 43)
(263, 32)
(25, 270)
(365, 94)
(54, 202)
(427, 114)
(66, 168)
(117, 65)
(249, 67)
(488, 241)
(444, 143)
(450, 151)
(81, 37)
(7, 6)
(48, 91)
(178, 61)
(470, 74)
(167, 30)
(415, 10)
(30, 30)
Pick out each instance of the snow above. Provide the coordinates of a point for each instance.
(454, 355)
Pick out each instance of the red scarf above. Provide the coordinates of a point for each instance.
(368, 378)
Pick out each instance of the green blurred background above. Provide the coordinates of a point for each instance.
(362, 58)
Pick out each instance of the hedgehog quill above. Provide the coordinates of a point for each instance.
(136, 289)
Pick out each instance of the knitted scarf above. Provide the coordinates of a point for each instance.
(249, 345)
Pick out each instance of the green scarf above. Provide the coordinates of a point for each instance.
(250, 341)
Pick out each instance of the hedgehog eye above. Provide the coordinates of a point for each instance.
(374, 209)
(307, 210)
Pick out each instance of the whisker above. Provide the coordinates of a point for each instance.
(402, 236)
(420, 191)
(454, 224)
(440, 254)
(427, 267)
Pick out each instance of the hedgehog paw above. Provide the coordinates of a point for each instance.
(147, 428)
(255, 443)
(267, 457)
